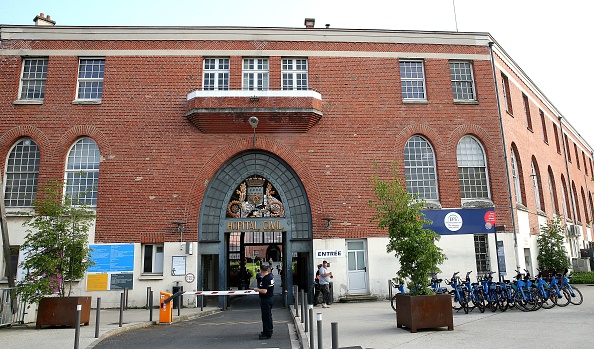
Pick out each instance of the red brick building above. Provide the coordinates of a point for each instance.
(191, 142)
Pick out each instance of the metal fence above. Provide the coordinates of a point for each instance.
(12, 309)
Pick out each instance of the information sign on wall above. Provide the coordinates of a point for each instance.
(113, 269)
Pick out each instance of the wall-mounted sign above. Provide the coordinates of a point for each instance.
(113, 269)
(259, 224)
(329, 253)
(190, 278)
(461, 221)
(178, 265)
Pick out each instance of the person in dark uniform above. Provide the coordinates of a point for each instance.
(266, 291)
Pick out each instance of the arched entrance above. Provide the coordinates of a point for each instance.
(252, 214)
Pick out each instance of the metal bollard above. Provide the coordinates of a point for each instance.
(296, 303)
(202, 300)
(121, 308)
(151, 307)
(319, 318)
(309, 310)
(334, 326)
(302, 306)
(311, 328)
(305, 310)
(295, 293)
(148, 296)
(97, 317)
(77, 327)
(125, 299)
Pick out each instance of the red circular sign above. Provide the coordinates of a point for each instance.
(490, 217)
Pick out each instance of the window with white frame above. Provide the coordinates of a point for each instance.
(294, 73)
(472, 169)
(419, 168)
(152, 258)
(22, 168)
(516, 177)
(255, 74)
(462, 81)
(535, 180)
(90, 78)
(481, 252)
(412, 76)
(216, 74)
(33, 79)
(82, 172)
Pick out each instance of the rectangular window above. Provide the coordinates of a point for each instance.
(585, 163)
(294, 73)
(544, 127)
(216, 74)
(577, 155)
(412, 76)
(33, 79)
(462, 81)
(557, 138)
(481, 252)
(152, 258)
(255, 74)
(527, 111)
(90, 78)
(506, 94)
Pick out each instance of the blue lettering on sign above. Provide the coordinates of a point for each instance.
(472, 221)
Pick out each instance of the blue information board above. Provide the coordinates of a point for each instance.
(112, 258)
(461, 221)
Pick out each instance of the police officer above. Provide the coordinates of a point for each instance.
(266, 291)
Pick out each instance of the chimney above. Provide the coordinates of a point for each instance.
(42, 20)
(309, 22)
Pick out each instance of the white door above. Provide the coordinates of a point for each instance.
(357, 266)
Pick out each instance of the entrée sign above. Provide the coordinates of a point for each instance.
(256, 225)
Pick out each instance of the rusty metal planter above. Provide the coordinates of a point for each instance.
(61, 311)
(420, 312)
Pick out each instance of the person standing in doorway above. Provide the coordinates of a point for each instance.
(270, 264)
(266, 291)
(325, 277)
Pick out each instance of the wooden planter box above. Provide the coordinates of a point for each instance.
(61, 311)
(419, 312)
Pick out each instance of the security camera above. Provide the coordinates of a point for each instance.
(253, 121)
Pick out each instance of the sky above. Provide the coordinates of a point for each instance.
(550, 40)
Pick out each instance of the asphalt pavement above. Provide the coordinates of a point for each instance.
(359, 325)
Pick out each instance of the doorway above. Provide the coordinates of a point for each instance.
(357, 266)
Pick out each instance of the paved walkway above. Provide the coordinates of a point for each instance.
(363, 325)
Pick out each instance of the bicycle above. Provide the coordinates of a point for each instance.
(459, 293)
(475, 292)
(576, 295)
(400, 288)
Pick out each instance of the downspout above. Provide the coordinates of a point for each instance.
(509, 184)
(569, 187)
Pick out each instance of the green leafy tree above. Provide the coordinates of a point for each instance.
(551, 252)
(414, 246)
(56, 246)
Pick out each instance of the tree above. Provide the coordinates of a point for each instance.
(400, 212)
(551, 252)
(56, 246)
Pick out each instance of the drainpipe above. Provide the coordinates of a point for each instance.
(509, 184)
(569, 187)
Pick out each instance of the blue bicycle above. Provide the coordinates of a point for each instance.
(400, 288)
(574, 293)
(459, 292)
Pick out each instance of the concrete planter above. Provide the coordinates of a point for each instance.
(420, 312)
(61, 311)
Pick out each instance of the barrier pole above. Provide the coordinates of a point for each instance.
(77, 327)
(121, 308)
(97, 317)
(151, 306)
(311, 328)
(202, 300)
(319, 318)
(334, 326)
(302, 306)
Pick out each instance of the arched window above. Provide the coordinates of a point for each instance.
(535, 174)
(472, 169)
(419, 168)
(585, 204)
(553, 191)
(82, 172)
(22, 168)
(576, 202)
(566, 206)
(516, 176)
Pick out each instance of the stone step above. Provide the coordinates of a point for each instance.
(352, 298)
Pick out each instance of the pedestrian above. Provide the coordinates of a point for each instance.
(266, 291)
(317, 287)
(270, 264)
(258, 277)
(325, 277)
